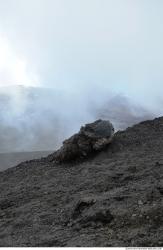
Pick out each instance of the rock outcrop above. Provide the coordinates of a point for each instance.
(91, 137)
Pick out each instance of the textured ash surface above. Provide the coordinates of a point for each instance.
(113, 199)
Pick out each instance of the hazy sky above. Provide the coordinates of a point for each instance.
(81, 45)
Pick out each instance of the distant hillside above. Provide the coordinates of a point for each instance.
(8, 160)
(114, 199)
(122, 112)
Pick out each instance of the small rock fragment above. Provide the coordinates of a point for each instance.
(140, 202)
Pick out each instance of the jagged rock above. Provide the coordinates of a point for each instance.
(89, 210)
(91, 137)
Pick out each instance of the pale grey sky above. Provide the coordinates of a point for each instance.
(84, 45)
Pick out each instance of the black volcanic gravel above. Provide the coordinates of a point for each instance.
(114, 199)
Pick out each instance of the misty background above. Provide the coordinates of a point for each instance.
(64, 63)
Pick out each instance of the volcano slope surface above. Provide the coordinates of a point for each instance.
(112, 199)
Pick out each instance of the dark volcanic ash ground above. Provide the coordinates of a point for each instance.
(114, 198)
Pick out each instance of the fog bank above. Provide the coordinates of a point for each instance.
(37, 119)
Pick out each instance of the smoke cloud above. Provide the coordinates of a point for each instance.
(64, 63)
(39, 119)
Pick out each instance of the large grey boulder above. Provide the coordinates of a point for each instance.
(91, 138)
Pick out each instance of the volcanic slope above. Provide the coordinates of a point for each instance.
(113, 199)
